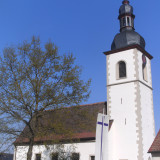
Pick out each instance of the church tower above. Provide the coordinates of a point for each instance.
(129, 92)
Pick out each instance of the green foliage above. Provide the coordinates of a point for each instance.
(34, 78)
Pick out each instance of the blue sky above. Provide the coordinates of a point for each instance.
(86, 28)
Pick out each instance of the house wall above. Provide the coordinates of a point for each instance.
(130, 105)
(155, 156)
(85, 150)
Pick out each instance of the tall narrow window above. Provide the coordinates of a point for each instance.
(75, 156)
(132, 22)
(144, 67)
(128, 21)
(144, 73)
(122, 69)
(123, 22)
(38, 156)
(54, 156)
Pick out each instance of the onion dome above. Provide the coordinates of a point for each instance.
(127, 35)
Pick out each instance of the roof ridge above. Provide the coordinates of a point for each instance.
(91, 104)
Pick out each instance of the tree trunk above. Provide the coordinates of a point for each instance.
(29, 153)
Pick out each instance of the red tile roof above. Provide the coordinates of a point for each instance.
(77, 122)
(155, 147)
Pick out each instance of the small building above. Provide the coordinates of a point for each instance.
(155, 148)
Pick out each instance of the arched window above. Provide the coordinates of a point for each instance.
(122, 69)
(123, 22)
(128, 21)
(144, 69)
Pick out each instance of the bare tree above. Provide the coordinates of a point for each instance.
(35, 78)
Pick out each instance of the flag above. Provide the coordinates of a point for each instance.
(101, 148)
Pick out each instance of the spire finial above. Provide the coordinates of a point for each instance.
(125, 2)
(126, 16)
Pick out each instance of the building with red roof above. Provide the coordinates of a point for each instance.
(155, 148)
(74, 127)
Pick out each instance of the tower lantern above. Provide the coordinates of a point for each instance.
(126, 16)
(127, 35)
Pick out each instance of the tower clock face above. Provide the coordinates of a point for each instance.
(144, 60)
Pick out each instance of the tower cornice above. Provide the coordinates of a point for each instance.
(127, 48)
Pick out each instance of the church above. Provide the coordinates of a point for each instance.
(129, 106)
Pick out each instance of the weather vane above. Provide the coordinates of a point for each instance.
(125, 2)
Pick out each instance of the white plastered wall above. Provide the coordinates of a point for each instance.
(148, 65)
(130, 105)
(148, 129)
(155, 156)
(147, 111)
(122, 141)
(112, 61)
(85, 150)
